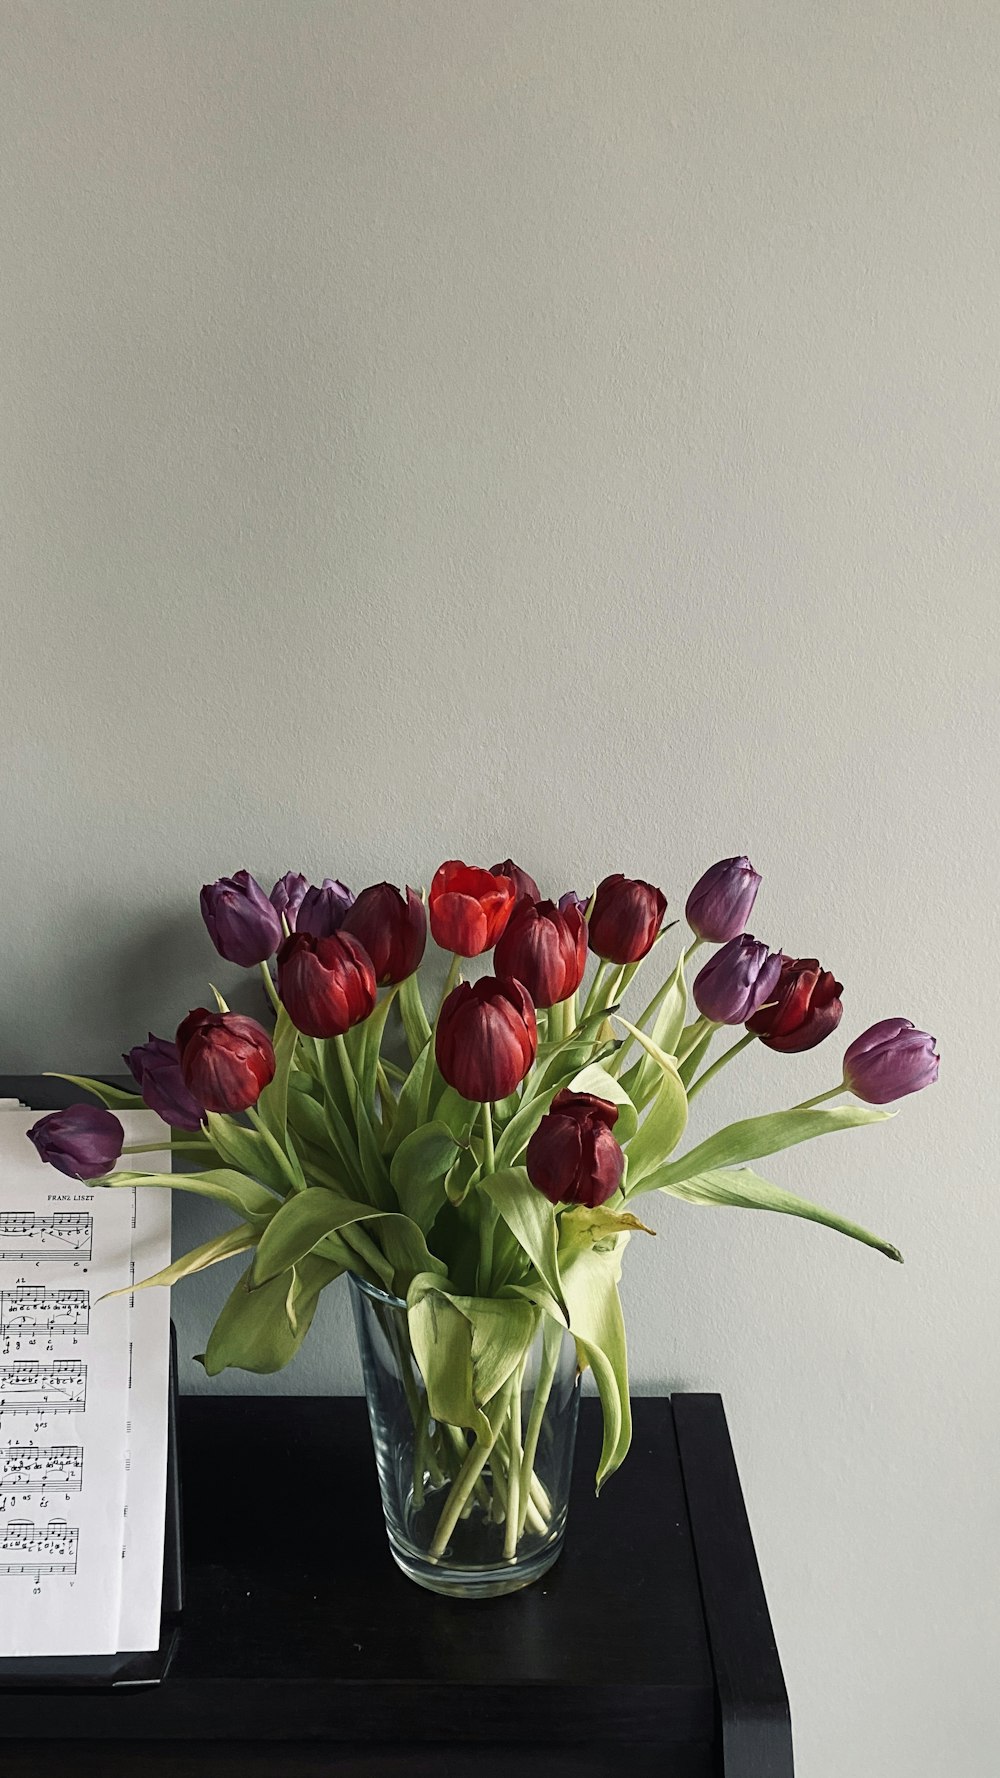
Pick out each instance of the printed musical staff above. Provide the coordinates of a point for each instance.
(41, 1469)
(38, 1549)
(31, 1387)
(31, 1309)
(65, 1234)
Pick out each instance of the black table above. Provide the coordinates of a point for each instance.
(303, 1650)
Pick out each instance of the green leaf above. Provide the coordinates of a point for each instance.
(246, 1149)
(419, 1168)
(590, 1284)
(416, 1024)
(113, 1097)
(464, 1367)
(372, 1032)
(248, 1198)
(643, 1079)
(531, 1220)
(408, 1103)
(666, 1119)
(583, 1227)
(262, 1329)
(756, 1136)
(747, 1191)
(273, 1102)
(237, 1240)
(304, 1220)
(597, 1080)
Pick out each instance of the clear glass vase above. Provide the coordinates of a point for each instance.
(462, 1520)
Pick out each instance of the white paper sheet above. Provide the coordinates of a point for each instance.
(75, 1372)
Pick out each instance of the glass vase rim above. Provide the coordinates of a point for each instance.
(376, 1293)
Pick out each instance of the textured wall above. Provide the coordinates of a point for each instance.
(570, 430)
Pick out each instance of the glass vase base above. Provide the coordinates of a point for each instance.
(471, 1583)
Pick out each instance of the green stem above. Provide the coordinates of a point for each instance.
(692, 1037)
(272, 992)
(275, 1146)
(806, 1104)
(514, 1470)
(489, 1154)
(449, 982)
(465, 1482)
(551, 1342)
(720, 1062)
(174, 1147)
(488, 1211)
(590, 1004)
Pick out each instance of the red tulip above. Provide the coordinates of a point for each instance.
(486, 1038)
(469, 908)
(573, 1157)
(544, 949)
(805, 1006)
(625, 919)
(226, 1060)
(326, 985)
(525, 887)
(393, 931)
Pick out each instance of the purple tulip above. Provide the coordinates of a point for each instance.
(83, 1141)
(156, 1069)
(889, 1060)
(287, 894)
(323, 910)
(572, 900)
(736, 981)
(721, 902)
(242, 924)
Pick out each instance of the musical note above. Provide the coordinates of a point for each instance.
(65, 1234)
(41, 1469)
(26, 1548)
(30, 1387)
(32, 1309)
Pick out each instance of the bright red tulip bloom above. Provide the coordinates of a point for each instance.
(469, 908)
(325, 985)
(889, 1060)
(544, 949)
(804, 1007)
(525, 887)
(626, 916)
(486, 1038)
(392, 930)
(573, 1157)
(226, 1059)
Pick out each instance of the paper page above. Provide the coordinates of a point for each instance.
(149, 1377)
(64, 1394)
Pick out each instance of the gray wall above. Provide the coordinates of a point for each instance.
(566, 430)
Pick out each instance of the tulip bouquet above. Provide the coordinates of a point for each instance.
(488, 1187)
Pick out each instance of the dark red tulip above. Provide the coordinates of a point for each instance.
(486, 1038)
(226, 1059)
(544, 949)
(156, 1069)
(326, 985)
(525, 887)
(83, 1141)
(469, 908)
(242, 924)
(626, 916)
(889, 1060)
(805, 1007)
(392, 929)
(573, 1157)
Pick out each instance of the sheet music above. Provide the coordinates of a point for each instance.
(83, 1388)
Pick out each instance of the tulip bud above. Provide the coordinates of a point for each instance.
(226, 1059)
(486, 1038)
(287, 896)
(469, 908)
(525, 887)
(392, 930)
(323, 910)
(573, 1157)
(156, 1069)
(889, 1060)
(84, 1141)
(326, 985)
(805, 1007)
(544, 949)
(721, 902)
(242, 924)
(625, 919)
(736, 981)
(571, 900)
